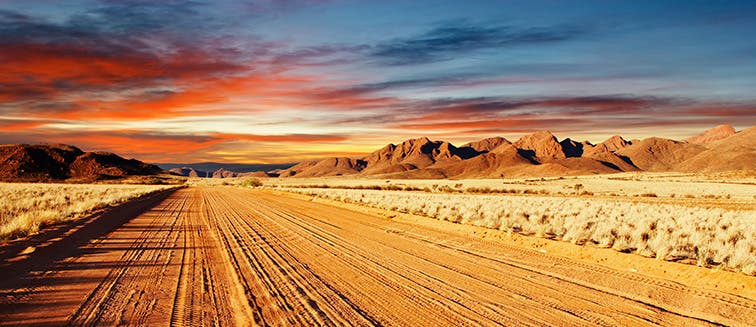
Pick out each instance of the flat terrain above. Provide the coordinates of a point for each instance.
(228, 256)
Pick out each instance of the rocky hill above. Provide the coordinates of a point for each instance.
(56, 162)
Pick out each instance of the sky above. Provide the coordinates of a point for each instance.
(291, 80)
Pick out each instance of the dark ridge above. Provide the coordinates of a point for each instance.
(57, 162)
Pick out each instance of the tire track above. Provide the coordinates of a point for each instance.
(163, 267)
(180, 305)
(297, 297)
(106, 303)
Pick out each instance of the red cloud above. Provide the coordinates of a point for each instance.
(744, 111)
(19, 125)
(72, 82)
(79, 66)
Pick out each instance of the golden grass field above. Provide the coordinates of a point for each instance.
(27, 207)
(706, 220)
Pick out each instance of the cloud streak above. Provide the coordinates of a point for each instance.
(452, 39)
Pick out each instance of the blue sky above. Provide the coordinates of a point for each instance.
(276, 81)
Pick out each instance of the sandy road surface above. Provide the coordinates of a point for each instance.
(229, 256)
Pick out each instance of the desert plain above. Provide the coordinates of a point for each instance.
(355, 251)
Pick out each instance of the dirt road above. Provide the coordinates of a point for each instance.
(230, 256)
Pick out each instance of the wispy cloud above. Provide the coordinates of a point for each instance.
(491, 115)
(320, 55)
(452, 39)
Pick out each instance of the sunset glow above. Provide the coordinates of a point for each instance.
(284, 81)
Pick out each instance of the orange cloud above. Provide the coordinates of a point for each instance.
(152, 146)
(70, 82)
(291, 138)
(20, 125)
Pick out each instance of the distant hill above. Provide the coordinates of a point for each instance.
(188, 172)
(326, 167)
(542, 154)
(235, 167)
(658, 154)
(735, 152)
(712, 135)
(56, 162)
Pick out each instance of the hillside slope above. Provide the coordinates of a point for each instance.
(55, 162)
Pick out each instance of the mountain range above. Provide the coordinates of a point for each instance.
(542, 154)
(538, 154)
(207, 169)
(218, 173)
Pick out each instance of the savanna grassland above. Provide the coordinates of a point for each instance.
(704, 220)
(25, 208)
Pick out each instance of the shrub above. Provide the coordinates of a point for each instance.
(251, 182)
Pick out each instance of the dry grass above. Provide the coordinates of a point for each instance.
(664, 185)
(706, 236)
(26, 208)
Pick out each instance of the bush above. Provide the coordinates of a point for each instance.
(251, 182)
